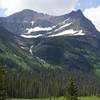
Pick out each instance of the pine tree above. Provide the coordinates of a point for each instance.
(72, 91)
(2, 89)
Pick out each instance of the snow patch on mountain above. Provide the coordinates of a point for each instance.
(32, 22)
(69, 32)
(37, 29)
(31, 49)
(65, 21)
(22, 47)
(66, 25)
(31, 36)
(80, 33)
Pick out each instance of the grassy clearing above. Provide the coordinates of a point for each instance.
(61, 98)
(89, 98)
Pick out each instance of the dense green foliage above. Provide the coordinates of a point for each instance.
(2, 84)
(72, 91)
(47, 84)
(45, 72)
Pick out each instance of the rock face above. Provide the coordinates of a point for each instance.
(30, 24)
(70, 40)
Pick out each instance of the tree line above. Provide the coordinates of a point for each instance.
(29, 85)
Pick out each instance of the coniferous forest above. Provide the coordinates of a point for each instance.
(44, 56)
(50, 84)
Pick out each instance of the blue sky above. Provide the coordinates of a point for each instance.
(90, 8)
(84, 4)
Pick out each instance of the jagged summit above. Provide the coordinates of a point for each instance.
(31, 24)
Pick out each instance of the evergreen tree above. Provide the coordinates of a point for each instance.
(72, 91)
(2, 89)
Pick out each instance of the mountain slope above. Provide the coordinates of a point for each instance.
(38, 49)
(68, 40)
(30, 24)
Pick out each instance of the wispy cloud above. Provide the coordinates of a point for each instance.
(52, 7)
(94, 15)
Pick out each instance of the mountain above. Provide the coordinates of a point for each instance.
(44, 45)
(62, 40)
(28, 23)
(55, 39)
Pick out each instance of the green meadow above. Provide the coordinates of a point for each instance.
(61, 98)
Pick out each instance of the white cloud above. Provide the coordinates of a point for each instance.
(94, 15)
(52, 7)
(2, 12)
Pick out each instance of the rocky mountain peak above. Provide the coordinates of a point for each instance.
(29, 23)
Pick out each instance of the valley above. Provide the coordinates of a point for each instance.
(40, 54)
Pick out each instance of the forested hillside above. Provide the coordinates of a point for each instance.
(41, 67)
